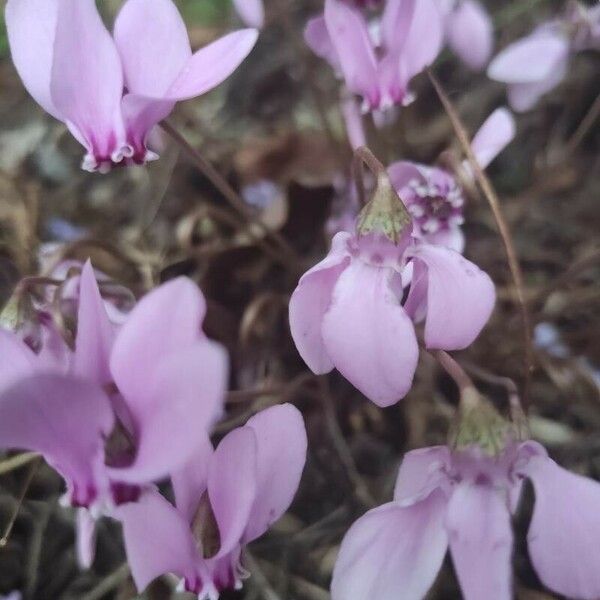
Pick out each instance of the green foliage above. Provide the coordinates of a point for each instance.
(205, 12)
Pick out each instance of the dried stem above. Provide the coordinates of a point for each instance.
(288, 255)
(503, 228)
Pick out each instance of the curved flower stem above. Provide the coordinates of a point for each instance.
(288, 255)
(363, 156)
(458, 374)
(503, 228)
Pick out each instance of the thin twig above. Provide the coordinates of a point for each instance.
(584, 127)
(16, 462)
(458, 374)
(494, 202)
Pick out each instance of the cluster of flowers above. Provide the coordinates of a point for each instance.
(118, 400)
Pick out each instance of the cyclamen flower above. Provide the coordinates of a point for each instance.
(462, 501)
(433, 196)
(77, 72)
(469, 31)
(378, 61)
(348, 311)
(132, 406)
(536, 64)
(224, 499)
(252, 12)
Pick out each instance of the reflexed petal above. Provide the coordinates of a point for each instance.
(425, 38)
(421, 472)
(318, 40)
(310, 301)
(494, 135)
(158, 540)
(530, 60)
(232, 487)
(470, 34)
(481, 540)
(85, 534)
(368, 336)
(350, 37)
(95, 333)
(153, 43)
(180, 399)
(565, 529)
(524, 96)
(190, 482)
(18, 359)
(87, 78)
(281, 444)
(31, 25)
(396, 23)
(164, 321)
(66, 420)
(460, 297)
(392, 552)
(252, 12)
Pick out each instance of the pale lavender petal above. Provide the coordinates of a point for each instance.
(353, 121)
(481, 541)
(31, 25)
(281, 444)
(232, 485)
(153, 43)
(396, 23)
(319, 41)
(164, 321)
(87, 78)
(190, 482)
(252, 12)
(392, 552)
(460, 297)
(350, 37)
(95, 332)
(530, 60)
(495, 134)
(452, 238)
(158, 540)
(310, 301)
(18, 360)
(66, 420)
(85, 535)
(425, 38)
(421, 472)
(403, 172)
(368, 336)
(470, 34)
(565, 529)
(524, 96)
(179, 400)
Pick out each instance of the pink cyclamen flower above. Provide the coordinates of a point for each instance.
(378, 60)
(224, 499)
(252, 12)
(469, 31)
(463, 501)
(434, 197)
(130, 408)
(112, 92)
(348, 311)
(536, 64)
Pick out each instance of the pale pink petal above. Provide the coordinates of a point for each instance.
(232, 485)
(31, 25)
(368, 336)
(452, 238)
(87, 78)
(173, 409)
(421, 472)
(85, 536)
(158, 540)
(470, 34)
(190, 482)
(66, 420)
(524, 96)
(495, 134)
(310, 302)
(425, 38)
(18, 359)
(350, 37)
(281, 444)
(153, 43)
(95, 333)
(252, 12)
(319, 41)
(481, 541)
(565, 529)
(396, 23)
(353, 121)
(164, 321)
(460, 297)
(531, 59)
(392, 552)
(403, 172)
